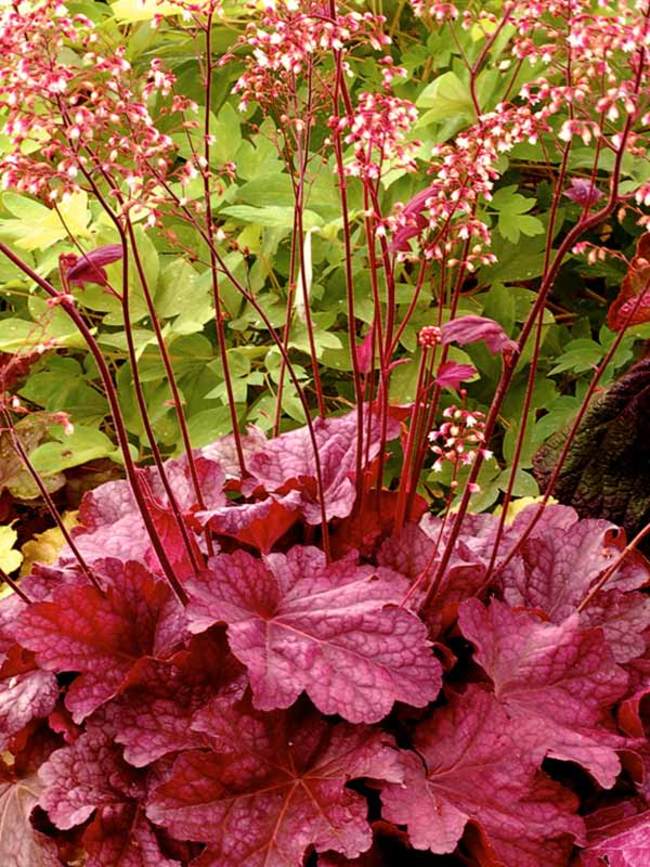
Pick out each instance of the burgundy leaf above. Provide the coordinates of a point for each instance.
(335, 631)
(84, 776)
(121, 836)
(619, 836)
(411, 220)
(470, 767)
(287, 462)
(555, 681)
(152, 717)
(276, 787)
(103, 637)
(556, 569)
(89, 267)
(259, 524)
(26, 692)
(472, 329)
(21, 845)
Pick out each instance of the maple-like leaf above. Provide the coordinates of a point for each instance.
(152, 717)
(287, 462)
(276, 786)
(619, 836)
(21, 845)
(259, 524)
(470, 767)
(122, 836)
(88, 774)
(556, 568)
(103, 637)
(335, 631)
(632, 305)
(556, 681)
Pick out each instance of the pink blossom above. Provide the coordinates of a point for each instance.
(583, 192)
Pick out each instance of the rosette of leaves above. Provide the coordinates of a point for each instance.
(606, 472)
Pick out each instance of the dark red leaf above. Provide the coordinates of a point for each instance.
(276, 787)
(259, 524)
(470, 767)
(122, 836)
(21, 845)
(103, 637)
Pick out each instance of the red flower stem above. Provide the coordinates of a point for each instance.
(417, 412)
(49, 502)
(116, 413)
(209, 223)
(178, 406)
(532, 373)
(132, 352)
(291, 290)
(509, 367)
(584, 406)
(613, 567)
(14, 586)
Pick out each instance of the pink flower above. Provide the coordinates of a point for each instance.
(451, 374)
(89, 267)
(583, 192)
(472, 329)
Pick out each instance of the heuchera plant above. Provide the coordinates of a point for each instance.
(269, 650)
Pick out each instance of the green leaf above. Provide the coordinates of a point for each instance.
(36, 227)
(83, 445)
(581, 355)
(271, 216)
(446, 97)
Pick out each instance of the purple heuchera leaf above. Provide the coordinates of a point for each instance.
(619, 836)
(451, 374)
(275, 786)
(152, 717)
(122, 836)
(89, 267)
(583, 192)
(335, 631)
(474, 329)
(287, 462)
(555, 681)
(470, 767)
(103, 637)
(84, 776)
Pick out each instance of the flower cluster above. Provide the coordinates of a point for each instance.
(287, 42)
(460, 439)
(69, 120)
(464, 173)
(378, 131)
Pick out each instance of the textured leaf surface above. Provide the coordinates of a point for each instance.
(472, 769)
(20, 844)
(555, 681)
(276, 786)
(288, 462)
(103, 637)
(334, 631)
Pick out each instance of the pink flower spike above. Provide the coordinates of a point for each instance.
(89, 267)
(451, 374)
(472, 329)
(583, 192)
